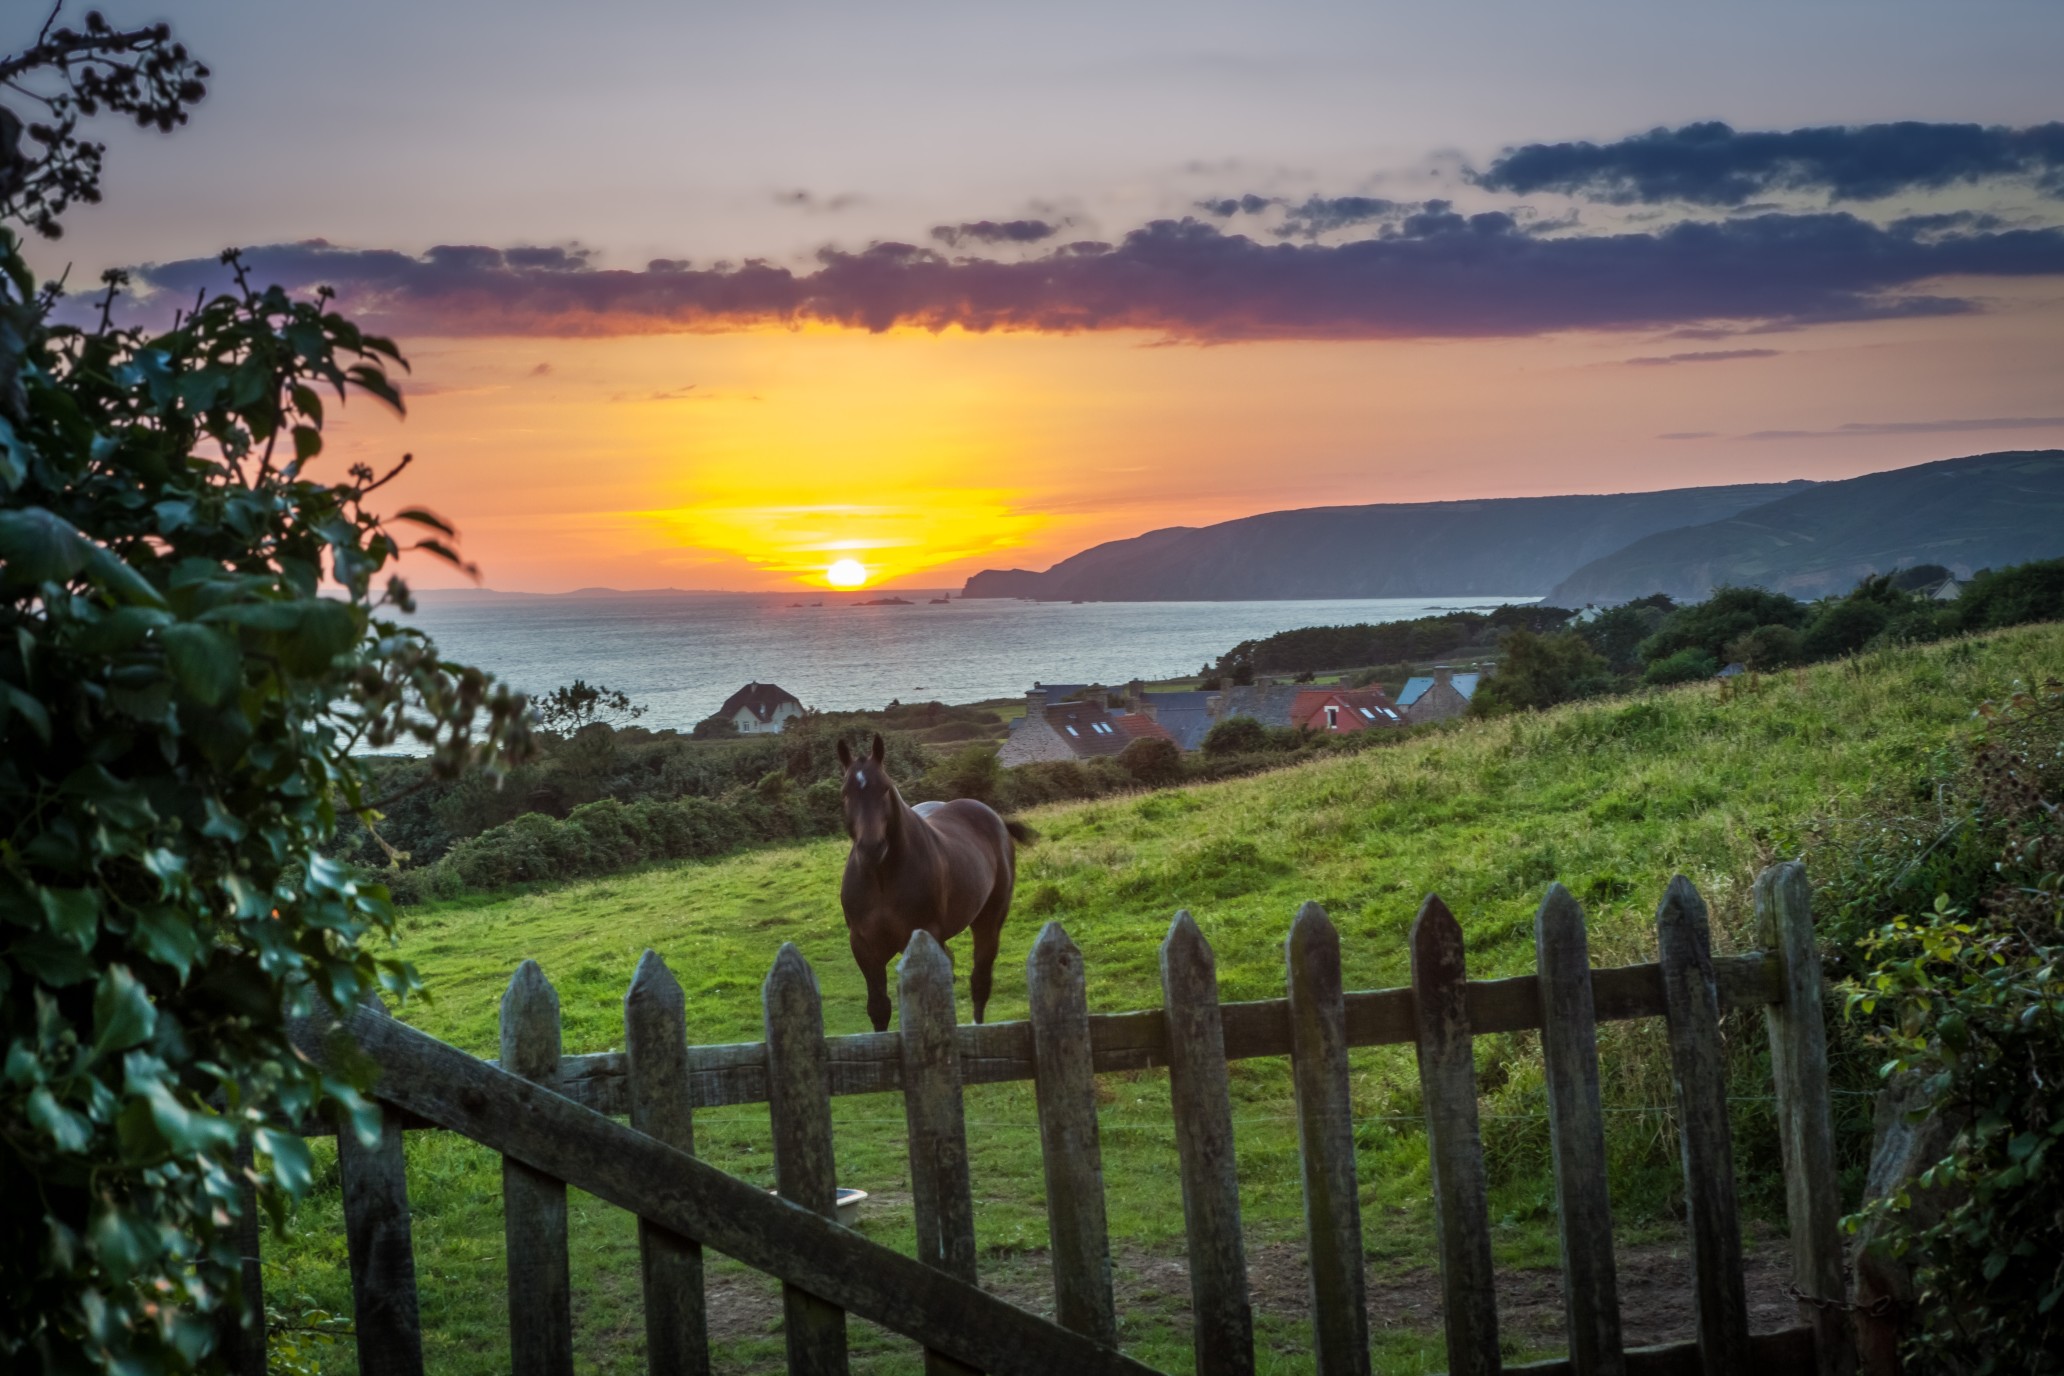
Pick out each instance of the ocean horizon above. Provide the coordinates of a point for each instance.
(679, 654)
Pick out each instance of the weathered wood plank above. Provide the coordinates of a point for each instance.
(1070, 1149)
(941, 1193)
(992, 1053)
(1576, 1133)
(1326, 1142)
(534, 1202)
(374, 1182)
(240, 1328)
(799, 1107)
(1788, 1352)
(1200, 1099)
(620, 1166)
(1447, 1082)
(1798, 1063)
(1699, 1068)
(670, 1266)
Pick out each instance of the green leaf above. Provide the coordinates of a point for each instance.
(71, 1131)
(119, 580)
(73, 914)
(123, 1015)
(14, 702)
(205, 663)
(307, 443)
(422, 517)
(326, 628)
(292, 1165)
(166, 936)
(38, 547)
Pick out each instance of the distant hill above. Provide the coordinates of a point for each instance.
(1985, 511)
(1506, 546)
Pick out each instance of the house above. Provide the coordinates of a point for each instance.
(1267, 702)
(1440, 696)
(1735, 670)
(1073, 730)
(1185, 716)
(760, 709)
(1948, 590)
(1339, 710)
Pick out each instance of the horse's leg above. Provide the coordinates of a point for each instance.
(875, 970)
(988, 931)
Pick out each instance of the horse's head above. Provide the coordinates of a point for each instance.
(872, 806)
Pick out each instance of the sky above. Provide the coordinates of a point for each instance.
(716, 296)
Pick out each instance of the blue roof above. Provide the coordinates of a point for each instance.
(1185, 716)
(1415, 688)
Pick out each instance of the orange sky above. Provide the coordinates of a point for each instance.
(755, 459)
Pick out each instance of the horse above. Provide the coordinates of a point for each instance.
(941, 868)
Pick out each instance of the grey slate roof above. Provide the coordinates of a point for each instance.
(1268, 703)
(1187, 716)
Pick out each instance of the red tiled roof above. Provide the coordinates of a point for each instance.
(1360, 709)
(1090, 730)
(1139, 726)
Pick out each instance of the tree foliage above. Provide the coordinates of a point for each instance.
(1538, 671)
(566, 711)
(192, 646)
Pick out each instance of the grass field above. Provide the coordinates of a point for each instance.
(1610, 797)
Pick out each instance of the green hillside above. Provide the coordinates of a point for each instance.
(1981, 512)
(1610, 797)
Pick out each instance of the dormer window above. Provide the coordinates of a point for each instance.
(1332, 718)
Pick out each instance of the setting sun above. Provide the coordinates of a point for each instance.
(846, 573)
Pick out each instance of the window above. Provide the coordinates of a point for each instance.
(1073, 732)
(1367, 713)
(1332, 718)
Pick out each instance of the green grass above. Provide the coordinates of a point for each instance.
(1610, 797)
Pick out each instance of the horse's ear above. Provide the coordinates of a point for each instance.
(845, 754)
(879, 748)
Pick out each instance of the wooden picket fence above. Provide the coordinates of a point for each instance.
(554, 1120)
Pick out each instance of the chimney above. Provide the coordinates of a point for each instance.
(1136, 696)
(1443, 675)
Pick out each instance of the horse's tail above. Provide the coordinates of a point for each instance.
(1020, 833)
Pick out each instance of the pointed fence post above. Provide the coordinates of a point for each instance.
(670, 1266)
(1447, 1082)
(1068, 1140)
(240, 1328)
(1576, 1130)
(374, 1183)
(1325, 1139)
(533, 1203)
(1699, 1067)
(1201, 1098)
(939, 1184)
(799, 1108)
(1798, 1062)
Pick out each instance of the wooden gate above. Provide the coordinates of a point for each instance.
(553, 1119)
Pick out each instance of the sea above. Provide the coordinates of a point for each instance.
(680, 654)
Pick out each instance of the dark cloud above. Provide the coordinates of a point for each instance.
(1862, 428)
(1437, 274)
(800, 199)
(1226, 207)
(1704, 356)
(1311, 217)
(542, 370)
(1712, 164)
(995, 232)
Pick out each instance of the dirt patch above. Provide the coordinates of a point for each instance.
(1655, 1292)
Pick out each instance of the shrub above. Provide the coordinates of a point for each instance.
(2013, 597)
(1709, 625)
(1685, 666)
(1153, 761)
(1766, 647)
(1537, 671)
(1844, 627)
(971, 772)
(714, 728)
(1962, 999)
(1236, 736)
(180, 703)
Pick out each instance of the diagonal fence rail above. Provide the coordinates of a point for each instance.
(552, 1117)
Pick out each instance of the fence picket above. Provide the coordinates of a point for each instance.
(1200, 1097)
(1700, 1071)
(799, 1107)
(670, 1267)
(1576, 1128)
(533, 1203)
(240, 1328)
(1447, 1082)
(1798, 1063)
(1325, 1141)
(374, 1182)
(939, 1184)
(1078, 1234)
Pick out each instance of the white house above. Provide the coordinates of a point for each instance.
(760, 709)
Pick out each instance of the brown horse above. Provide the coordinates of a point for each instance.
(937, 867)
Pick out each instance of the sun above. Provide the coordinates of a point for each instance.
(846, 573)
